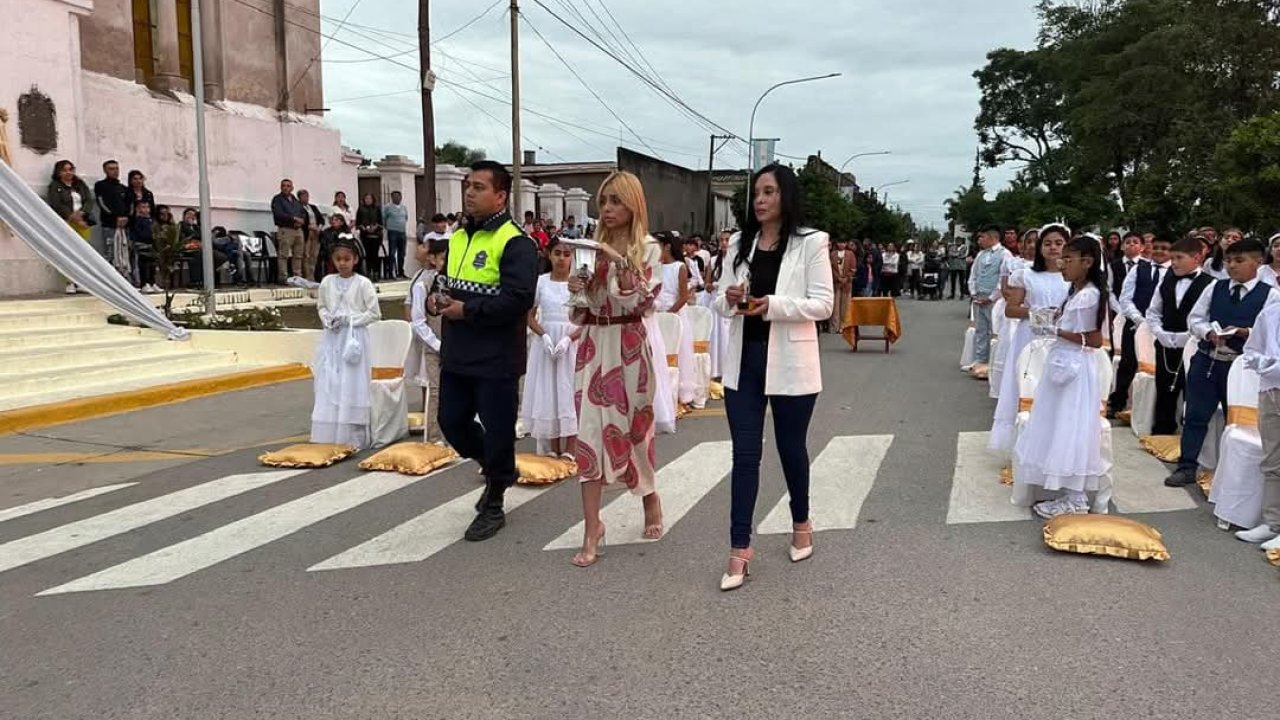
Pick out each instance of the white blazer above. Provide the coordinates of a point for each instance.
(804, 296)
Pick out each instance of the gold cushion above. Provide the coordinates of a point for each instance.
(538, 470)
(715, 391)
(1006, 475)
(1167, 448)
(1204, 479)
(1273, 556)
(410, 458)
(1109, 535)
(307, 455)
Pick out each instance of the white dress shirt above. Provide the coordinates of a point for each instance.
(417, 302)
(1262, 349)
(1155, 314)
(1199, 321)
(994, 254)
(1267, 274)
(1127, 307)
(1113, 300)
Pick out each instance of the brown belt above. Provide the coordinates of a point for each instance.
(593, 319)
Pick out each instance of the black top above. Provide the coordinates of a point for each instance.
(764, 268)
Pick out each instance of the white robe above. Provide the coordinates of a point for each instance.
(347, 307)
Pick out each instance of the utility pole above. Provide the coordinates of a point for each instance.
(711, 205)
(427, 201)
(202, 160)
(516, 210)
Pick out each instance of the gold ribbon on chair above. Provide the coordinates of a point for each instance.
(1147, 368)
(1024, 404)
(701, 347)
(386, 373)
(673, 361)
(1242, 415)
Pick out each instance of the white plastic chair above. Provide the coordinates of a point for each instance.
(966, 354)
(389, 411)
(1000, 325)
(1142, 407)
(1209, 451)
(701, 321)
(672, 329)
(1237, 483)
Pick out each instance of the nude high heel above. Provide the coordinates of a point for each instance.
(804, 553)
(583, 559)
(733, 581)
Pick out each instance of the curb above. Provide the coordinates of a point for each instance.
(39, 416)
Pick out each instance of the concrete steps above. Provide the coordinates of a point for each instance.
(63, 349)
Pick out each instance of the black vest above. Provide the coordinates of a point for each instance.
(1230, 313)
(1174, 315)
(1145, 287)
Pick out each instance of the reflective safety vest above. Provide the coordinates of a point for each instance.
(474, 261)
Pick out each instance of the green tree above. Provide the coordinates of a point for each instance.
(458, 155)
(1249, 163)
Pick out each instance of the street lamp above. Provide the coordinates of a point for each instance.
(889, 185)
(845, 164)
(751, 129)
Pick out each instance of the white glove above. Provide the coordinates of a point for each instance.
(1264, 364)
(1251, 362)
(549, 344)
(562, 347)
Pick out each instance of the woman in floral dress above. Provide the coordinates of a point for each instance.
(615, 383)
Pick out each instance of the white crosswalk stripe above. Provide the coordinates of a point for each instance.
(978, 497)
(49, 503)
(843, 475)
(176, 561)
(117, 522)
(682, 483)
(425, 535)
(839, 482)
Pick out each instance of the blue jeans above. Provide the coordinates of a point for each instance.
(981, 334)
(1206, 391)
(745, 409)
(395, 253)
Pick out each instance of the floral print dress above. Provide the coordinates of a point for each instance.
(615, 382)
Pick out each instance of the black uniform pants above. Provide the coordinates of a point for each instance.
(490, 442)
(1170, 380)
(957, 279)
(1128, 368)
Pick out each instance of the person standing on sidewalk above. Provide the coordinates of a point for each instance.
(395, 218)
(312, 223)
(957, 261)
(287, 212)
(491, 274)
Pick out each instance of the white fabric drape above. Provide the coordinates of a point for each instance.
(56, 243)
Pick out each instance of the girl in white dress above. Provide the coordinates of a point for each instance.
(348, 305)
(673, 298)
(1270, 273)
(1061, 447)
(720, 325)
(547, 410)
(1034, 288)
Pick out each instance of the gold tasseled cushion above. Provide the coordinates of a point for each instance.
(1204, 479)
(538, 470)
(410, 458)
(307, 455)
(1273, 556)
(1125, 416)
(1167, 448)
(1006, 476)
(1109, 535)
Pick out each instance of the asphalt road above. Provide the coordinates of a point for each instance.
(901, 616)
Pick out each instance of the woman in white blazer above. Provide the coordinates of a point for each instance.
(775, 285)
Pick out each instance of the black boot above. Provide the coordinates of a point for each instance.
(489, 519)
(1181, 478)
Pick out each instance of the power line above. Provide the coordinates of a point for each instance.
(639, 52)
(645, 79)
(587, 86)
(469, 23)
(500, 122)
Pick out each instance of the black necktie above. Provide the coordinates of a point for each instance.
(1236, 292)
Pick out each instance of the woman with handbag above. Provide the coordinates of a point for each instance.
(777, 285)
(69, 197)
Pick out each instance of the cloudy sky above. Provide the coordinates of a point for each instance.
(906, 83)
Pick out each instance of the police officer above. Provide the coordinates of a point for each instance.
(491, 275)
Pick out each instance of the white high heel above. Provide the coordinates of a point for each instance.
(730, 581)
(804, 553)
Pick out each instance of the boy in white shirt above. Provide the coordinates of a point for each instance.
(422, 367)
(1262, 354)
(1167, 318)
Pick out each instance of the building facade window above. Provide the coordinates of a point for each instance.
(145, 40)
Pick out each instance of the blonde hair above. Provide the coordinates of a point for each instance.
(633, 242)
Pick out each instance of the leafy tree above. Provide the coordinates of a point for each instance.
(1249, 163)
(458, 155)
